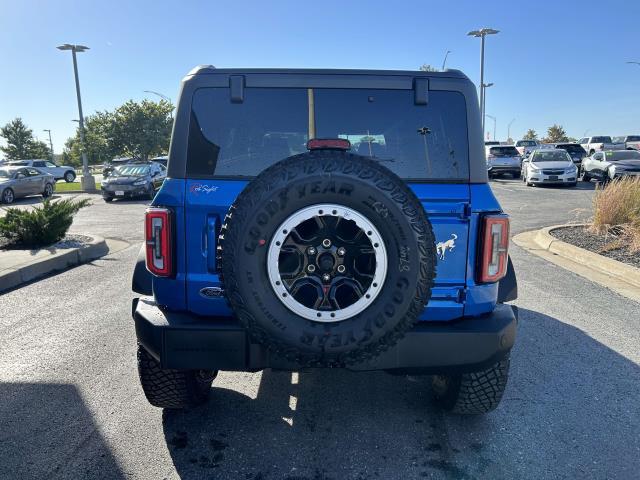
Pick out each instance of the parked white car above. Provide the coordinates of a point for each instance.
(59, 172)
(549, 166)
(503, 159)
(605, 166)
(599, 143)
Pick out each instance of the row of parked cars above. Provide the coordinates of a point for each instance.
(603, 159)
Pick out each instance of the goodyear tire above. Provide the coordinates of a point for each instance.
(472, 393)
(166, 388)
(327, 258)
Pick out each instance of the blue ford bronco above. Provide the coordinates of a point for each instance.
(326, 218)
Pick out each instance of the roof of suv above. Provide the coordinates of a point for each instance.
(210, 69)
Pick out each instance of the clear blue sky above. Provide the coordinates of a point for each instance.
(554, 61)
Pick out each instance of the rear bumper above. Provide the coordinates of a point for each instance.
(183, 341)
(498, 169)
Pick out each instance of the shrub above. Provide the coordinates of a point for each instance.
(616, 210)
(40, 226)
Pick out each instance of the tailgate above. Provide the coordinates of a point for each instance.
(207, 202)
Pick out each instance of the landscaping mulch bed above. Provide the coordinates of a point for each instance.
(69, 241)
(607, 245)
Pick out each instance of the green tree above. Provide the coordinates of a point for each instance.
(530, 135)
(141, 129)
(555, 134)
(20, 142)
(425, 67)
(98, 146)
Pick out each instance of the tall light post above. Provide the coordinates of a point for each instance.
(164, 97)
(509, 129)
(444, 62)
(483, 32)
(87, 181)
(483, 89)
(494, 124)
(50, 142)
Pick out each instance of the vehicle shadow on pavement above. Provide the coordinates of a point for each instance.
(47, 431)
(335, 424)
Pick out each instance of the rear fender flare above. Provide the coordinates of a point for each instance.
(142, 281)
(508, 286)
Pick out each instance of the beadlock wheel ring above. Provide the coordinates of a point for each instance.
(373, 280)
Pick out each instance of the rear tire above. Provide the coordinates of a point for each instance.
(48, 191)
(8, 196)
(472, 393)
(166, 388)
(69, 176)
(585, 177)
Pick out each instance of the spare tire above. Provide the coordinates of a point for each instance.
(327, 258)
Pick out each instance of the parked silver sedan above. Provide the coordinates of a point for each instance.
(18, 182)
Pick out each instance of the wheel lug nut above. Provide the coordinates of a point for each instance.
(326, 243)
(341, 268)
(326, 277)
(311, 251)
(311, 268)
(341, 251)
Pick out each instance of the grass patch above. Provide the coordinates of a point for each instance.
(69, 187)
(616, 212)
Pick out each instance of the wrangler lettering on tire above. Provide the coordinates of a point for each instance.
(327, 258)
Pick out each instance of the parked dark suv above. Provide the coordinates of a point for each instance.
(326, 218)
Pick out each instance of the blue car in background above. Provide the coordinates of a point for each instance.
(326, 219)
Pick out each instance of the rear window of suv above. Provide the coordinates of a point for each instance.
(571, 148)
(239, 140)
(600, 139)
(504, 151)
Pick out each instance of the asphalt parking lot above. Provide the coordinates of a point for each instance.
(71, 405)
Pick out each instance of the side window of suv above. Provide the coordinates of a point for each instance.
(39, 164)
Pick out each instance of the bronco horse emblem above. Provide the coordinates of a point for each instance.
(442, 247)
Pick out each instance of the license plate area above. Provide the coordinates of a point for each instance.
(119, 193)
(552, 177)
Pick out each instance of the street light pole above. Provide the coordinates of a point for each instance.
(484, 87)
(483, 32)
(164, 97)
(494, 124)
(444, 62)
(87, 181)
(509, 129)
(50, 142)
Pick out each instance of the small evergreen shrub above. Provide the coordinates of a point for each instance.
(40, 226)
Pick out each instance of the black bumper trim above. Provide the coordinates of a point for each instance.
(183, 341)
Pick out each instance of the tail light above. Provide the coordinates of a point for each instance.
(495, 248)
(159, 241)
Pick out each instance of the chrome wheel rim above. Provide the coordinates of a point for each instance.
(327, 262)
(8, 196)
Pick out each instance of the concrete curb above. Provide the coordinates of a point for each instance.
(61, 260)
(615, 275)
(75, 192)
